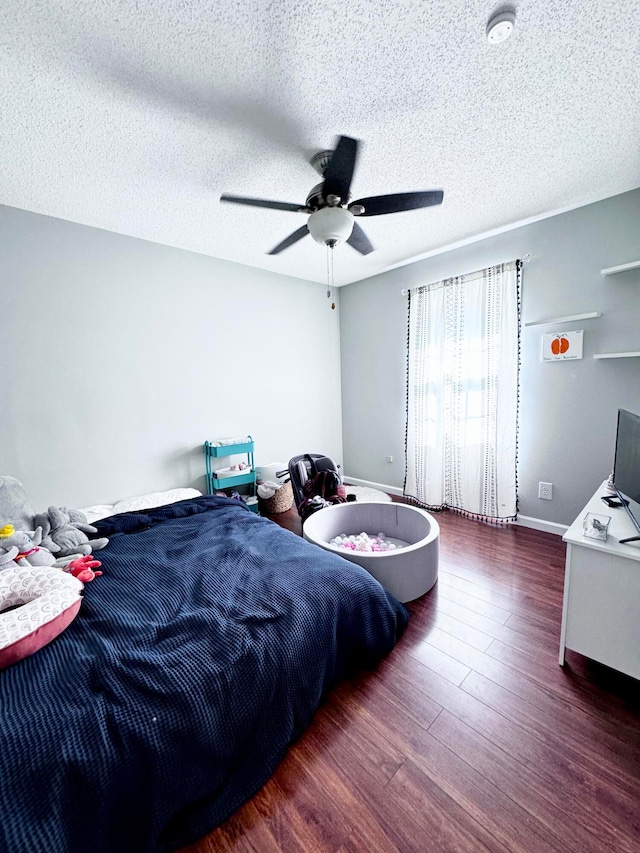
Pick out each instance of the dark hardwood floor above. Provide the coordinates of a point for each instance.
(468, 736)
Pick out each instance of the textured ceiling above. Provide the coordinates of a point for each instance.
(135, 116)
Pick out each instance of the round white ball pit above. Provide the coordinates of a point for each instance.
(406, 572)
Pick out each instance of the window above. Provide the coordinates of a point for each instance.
(462, 392)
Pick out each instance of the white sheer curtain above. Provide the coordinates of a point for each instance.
(462, 392)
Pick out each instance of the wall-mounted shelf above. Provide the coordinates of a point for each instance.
(616, 355)
(591, 315)
(621, 268)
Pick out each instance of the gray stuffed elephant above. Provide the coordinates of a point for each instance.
(8, 558)
(29, 551)
(68, 536)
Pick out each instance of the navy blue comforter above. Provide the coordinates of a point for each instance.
(197, 657)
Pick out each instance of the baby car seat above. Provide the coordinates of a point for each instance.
(306, 467)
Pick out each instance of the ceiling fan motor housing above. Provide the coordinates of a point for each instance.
(320, 161)
(330, 225)
(315, 199)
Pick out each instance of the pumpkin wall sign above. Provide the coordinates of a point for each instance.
(562, 347)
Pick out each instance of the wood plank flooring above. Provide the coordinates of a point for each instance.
(468, 736)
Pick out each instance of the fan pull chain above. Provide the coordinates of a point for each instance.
(330, 276)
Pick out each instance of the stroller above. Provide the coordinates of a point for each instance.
(316, 483)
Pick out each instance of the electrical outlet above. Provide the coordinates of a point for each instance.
(389, 458)
(545, 491)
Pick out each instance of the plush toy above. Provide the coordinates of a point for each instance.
(7, 558)
(18, 548)
(14, 504)
(67, 536)
(41, 520)
(79, 520)
(83, 568)
(29, 551)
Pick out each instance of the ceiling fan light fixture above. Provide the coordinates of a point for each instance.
(500, 26)
(330, 225)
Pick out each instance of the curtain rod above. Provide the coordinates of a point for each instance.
(524, 259)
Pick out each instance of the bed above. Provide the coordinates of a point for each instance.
(195, 660)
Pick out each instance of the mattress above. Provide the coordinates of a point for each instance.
(195, 660)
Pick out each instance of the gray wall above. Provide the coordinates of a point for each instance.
(120, 357)
(568, 409)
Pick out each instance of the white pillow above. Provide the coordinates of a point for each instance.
(96, 512)
(154, 499)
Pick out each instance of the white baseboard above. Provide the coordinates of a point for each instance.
(390, 490)
(541, 524)
(523, 520)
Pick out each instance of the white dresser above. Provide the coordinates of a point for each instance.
(601, 607)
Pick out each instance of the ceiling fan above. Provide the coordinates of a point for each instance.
(331, 212)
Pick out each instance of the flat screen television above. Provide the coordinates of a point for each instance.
(626, 467)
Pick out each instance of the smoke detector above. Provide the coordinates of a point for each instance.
(500, 26)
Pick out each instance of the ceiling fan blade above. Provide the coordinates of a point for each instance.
(339, 172)
(290, 240)
(359, 240)
(376, 205)
(262, 202)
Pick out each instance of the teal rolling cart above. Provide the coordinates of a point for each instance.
(220, 484)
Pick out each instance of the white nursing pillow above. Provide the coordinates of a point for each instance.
(44, 601)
